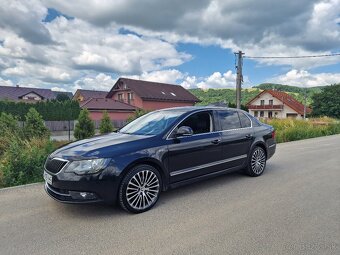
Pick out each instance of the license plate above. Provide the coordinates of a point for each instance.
(48, 178)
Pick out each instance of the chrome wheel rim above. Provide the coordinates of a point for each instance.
(142, 190)
(258, 161)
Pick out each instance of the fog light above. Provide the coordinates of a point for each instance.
(82, 195)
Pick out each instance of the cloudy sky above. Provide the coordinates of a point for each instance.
(65, 45)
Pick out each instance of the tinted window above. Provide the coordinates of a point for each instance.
(199, 122)
(229, 120)
(245, 121)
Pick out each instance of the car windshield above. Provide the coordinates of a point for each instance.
(152, 123)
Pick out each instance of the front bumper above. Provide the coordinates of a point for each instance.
(72, 188)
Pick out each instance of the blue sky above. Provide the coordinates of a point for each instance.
(66, 45)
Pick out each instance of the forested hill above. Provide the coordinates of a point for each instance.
(288, 88)
(228, 95)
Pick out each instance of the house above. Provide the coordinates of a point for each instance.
(151, 95)
(276, 104)
(84, 94)
(25, 94)
(118, 111)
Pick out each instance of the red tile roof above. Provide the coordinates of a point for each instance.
(106, 104)
(286, 99)
(154, 91)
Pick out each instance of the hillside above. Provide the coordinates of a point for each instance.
(228, 95)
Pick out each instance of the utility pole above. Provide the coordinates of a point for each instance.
(305, 103)
(239, 78)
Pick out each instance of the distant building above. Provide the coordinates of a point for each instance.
(276, 104)
(118, 111)
(25, 94)
(151, 95)
(85, 94)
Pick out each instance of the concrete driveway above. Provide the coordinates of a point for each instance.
(294, 208)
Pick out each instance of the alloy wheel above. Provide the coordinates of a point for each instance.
(142, 190)
(258, 161)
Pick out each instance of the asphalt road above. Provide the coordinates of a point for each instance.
(294, 208)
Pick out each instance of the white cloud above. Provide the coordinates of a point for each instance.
(5, 82)
(303, 78)
(99, 82)
(58, 89)
(171, 76)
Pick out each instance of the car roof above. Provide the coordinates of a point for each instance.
(186, 109)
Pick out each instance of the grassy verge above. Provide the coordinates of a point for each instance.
(292, 130)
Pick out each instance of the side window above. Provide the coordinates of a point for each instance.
(245, 121)
(229, 120)
(199, 122)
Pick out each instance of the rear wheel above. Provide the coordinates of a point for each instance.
(140, 189)
(256, 162)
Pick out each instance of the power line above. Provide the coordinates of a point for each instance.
(306, 56)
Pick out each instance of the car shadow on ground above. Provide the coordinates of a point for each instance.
(170, 196)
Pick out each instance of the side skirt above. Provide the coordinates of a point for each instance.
(204, 177)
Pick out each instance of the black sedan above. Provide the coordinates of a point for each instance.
(160, 150)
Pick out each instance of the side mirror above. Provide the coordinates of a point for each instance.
(184, 131)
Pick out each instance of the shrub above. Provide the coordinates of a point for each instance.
(292, 130)
(34, 125)
(23, 161)
(85, 126)
(105, 124)
(8, 127)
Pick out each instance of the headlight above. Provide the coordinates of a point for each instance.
(89, 166)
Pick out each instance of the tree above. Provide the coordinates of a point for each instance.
(327, 103)
(138, 113)
(62, 97)
(85, 126)
(8, 123)
(105, 124)
(34, 125)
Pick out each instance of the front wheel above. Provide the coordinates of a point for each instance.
(140, 189)
(256, 162)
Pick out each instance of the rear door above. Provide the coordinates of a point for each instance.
(192, 156)
(237, 137)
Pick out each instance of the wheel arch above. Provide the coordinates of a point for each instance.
(152, 162)
(259, 144)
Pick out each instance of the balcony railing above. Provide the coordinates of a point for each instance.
(266, 107)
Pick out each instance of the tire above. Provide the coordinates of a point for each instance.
(140, 189)
(256, 162)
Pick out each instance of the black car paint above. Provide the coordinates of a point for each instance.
(166, 153)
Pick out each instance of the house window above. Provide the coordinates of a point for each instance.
(130, 97)
(261, 114)
(270, 114)
(121, 97)
(262, 102)
(256, 113)
(271, 102)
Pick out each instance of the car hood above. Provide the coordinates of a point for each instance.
(99, 146)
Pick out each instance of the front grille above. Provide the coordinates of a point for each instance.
(54, 165)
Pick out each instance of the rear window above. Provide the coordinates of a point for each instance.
(229, 120)
(245, 121)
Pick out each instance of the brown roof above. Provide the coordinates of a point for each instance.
(106, 104)
(16, 92)
(86, 93)
(154, 91)
(286, 99)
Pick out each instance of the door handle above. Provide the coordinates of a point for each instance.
(249, 136)
(216, 141)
